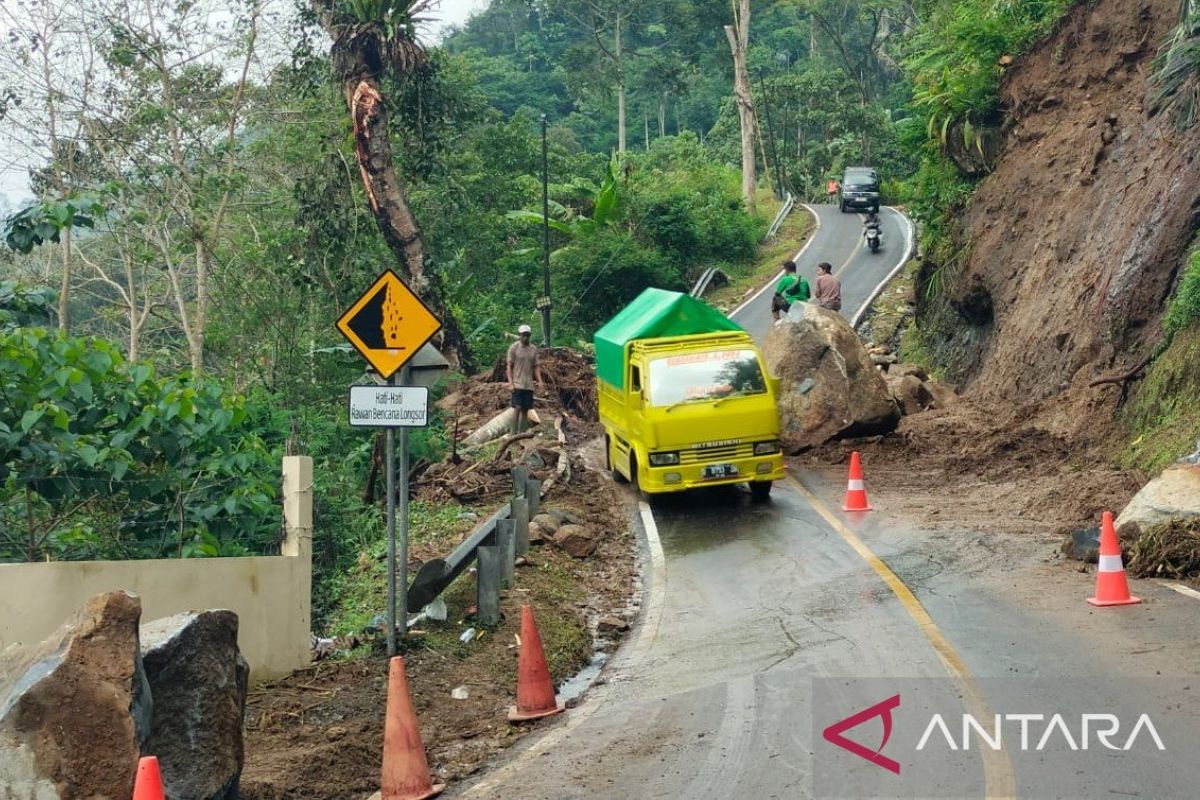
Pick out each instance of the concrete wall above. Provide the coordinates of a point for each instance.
(272, 595)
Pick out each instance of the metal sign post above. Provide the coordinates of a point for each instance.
(390, 455)
(405, 373)
(390, 326)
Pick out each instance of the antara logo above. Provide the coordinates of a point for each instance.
(883, 710)
(1101, 725)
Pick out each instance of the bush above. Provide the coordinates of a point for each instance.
(597, 276)
(99, 458)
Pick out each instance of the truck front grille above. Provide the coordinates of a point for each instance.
(716, 454)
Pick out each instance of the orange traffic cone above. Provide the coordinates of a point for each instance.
(1111, 587)
(856, 492)
(148, 785)
(535, 692)
(405, 770)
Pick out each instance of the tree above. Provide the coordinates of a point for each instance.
(738, 35)
(371, 39)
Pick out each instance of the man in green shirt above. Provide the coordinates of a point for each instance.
(790, 289)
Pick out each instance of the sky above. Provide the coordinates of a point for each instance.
(14, 185)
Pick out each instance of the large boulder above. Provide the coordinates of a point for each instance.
(829, 388)
(75, 711)
(198, 679)
(1175, 494)
(576, 540)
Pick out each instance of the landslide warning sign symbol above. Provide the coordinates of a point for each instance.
(388, 324)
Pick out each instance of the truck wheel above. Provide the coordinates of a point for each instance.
(760, 491)
(616, 473)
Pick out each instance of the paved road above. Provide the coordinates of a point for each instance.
(765, 623)
(838, 240)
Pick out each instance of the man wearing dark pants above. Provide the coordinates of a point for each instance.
(523, 370)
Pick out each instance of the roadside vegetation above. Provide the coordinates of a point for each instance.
(190, 268)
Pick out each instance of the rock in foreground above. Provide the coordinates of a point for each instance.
(1175, 494)
(75, 712)
(829, 388)
(198, 679)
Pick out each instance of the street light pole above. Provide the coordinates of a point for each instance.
(545, 302)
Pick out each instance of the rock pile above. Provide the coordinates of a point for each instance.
(77, 712)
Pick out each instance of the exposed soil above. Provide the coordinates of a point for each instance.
(1077, 238)
(318, 735)
(980, 467)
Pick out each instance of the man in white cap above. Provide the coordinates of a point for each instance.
(523, 370)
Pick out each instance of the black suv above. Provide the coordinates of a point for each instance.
(859, 190)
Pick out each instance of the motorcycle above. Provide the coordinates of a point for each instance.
(874, 239)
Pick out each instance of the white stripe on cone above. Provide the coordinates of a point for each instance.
(1110, 564)
(855, 486)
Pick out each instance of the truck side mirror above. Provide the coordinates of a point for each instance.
(775, 384)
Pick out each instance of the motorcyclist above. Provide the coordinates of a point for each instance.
(872, 224)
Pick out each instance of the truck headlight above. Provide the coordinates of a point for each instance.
(663, 459)
(766, 448)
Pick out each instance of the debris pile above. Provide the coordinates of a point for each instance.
(1168, 550)
(485, 446)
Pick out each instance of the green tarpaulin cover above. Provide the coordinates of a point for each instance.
(655, 313)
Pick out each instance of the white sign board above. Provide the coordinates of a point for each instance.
(389, 406)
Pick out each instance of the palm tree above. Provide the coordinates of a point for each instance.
(370, 39)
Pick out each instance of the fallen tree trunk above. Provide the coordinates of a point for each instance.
(497, 426)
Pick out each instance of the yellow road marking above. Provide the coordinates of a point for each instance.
(997, 768)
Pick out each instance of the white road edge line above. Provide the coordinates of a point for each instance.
(800, 252)
(652, 609)
(909, 236)
(1179, 587)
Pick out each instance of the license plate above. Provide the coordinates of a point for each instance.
(721, 471)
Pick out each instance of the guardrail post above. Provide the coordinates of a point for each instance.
(487, 585)
(520, 477)
(520, 518)
(533, 493)
(506, 542)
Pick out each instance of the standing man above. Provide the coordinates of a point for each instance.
(831, 189)
(522, 370)
(791, 288)
(829, 288)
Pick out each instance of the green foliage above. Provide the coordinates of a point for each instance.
(601, 273)
(44, 222)
(955, 60)
(1184, 308)
(1161, 415)
(103, 459)
(24, 305)
(1176, 75)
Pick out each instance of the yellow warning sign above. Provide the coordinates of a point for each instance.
(388, 324)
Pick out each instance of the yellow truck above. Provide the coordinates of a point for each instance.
(685, 398)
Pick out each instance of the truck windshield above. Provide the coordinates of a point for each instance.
(713, 375)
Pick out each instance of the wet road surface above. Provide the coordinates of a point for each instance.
(765, 623)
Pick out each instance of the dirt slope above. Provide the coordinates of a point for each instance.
(1077, 238)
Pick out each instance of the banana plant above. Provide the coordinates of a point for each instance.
(606, 208)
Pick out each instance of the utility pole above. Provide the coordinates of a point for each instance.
(544, 302)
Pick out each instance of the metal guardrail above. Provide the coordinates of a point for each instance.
(709, 273)
(788, 204)
(703, 281)
(494, 543)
